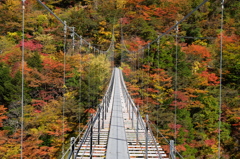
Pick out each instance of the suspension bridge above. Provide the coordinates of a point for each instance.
(117, 129)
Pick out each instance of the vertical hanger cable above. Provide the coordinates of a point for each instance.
(23, 60)
(220, 85)
(176, 88)
(64, 85)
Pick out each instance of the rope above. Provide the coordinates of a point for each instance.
(22, 100)
(220, 88)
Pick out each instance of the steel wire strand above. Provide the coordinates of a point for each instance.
(174, 26)
(158, 131)
(22, 84)
(220, 85)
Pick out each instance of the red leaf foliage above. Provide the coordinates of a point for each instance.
(37, 103)
(138, 101)
(182, 100)
(210, 142)
(136, 43)
(31, 45)
(152, 90)
(125, 20)
(172, 126)
(211, 77)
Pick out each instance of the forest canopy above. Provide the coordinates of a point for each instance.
(58, 69)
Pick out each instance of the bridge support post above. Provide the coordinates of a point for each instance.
(72, 155)
(137, 123)
(146, 135)
(99, 125)
(132, 118)
(129, 109)
(106, 109)
(91, 136)
(124, 94)
(127, 104)
(103, 116)
(72, 35)
(172, 149)
(106, 102)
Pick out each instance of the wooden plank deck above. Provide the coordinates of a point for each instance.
(118, 138)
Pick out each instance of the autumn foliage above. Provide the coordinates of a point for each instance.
(191, 92)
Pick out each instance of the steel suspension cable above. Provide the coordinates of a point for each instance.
(220, 87)
(158, 52)
(89, 77)
(70, 28)
(174, 26)
(23, 60)
(135, 62)
(95, 69)
(138, 79)
(142, 77)
(165, 139)
(190, 37)
(148, 50)
(121, 42)
(80, 84)
(113, 37)
(64, 85)
(176, 89)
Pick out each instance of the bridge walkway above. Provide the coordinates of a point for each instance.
(118, 133)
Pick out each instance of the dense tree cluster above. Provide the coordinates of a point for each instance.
(150, 73)
(193, 89)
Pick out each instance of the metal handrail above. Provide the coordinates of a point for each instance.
(134, 108)
(87, 127)
(75, 140)
(154, 140)
(95, 116)
(132, 102)
(166, 140)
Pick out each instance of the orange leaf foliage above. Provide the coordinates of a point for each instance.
(90, 110)
(138, 101)
(210, 77)
(198, 50)
(126, 71)
(2, 116)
